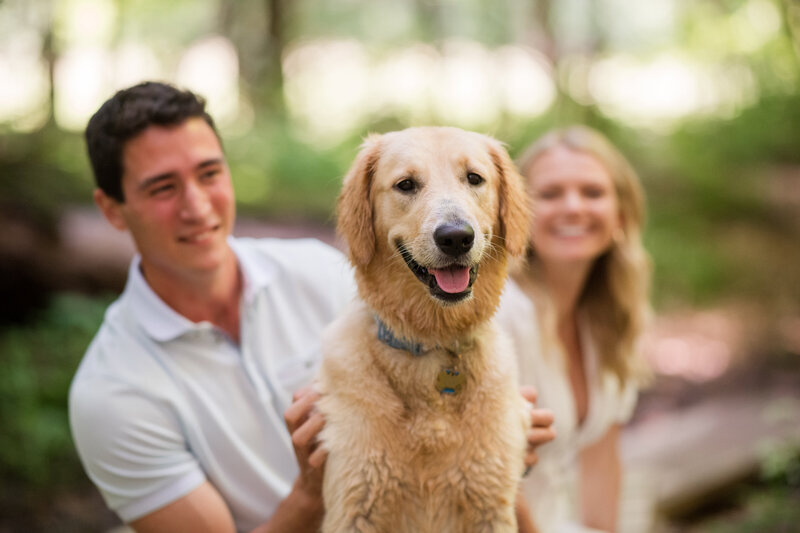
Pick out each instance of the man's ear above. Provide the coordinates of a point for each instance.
(111, 209)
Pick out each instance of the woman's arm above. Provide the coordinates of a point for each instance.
(524, 521)
(601, 482)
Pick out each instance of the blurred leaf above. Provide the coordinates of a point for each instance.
(39, 361)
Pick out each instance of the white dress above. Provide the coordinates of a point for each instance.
(551, 488)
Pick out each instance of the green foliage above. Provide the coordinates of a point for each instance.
(43, 170)
(766, 131)
(36, 449)
(781, 464)
(687, 268)
(277, 174)
(386, 23)
(767, 510)
(771, 505)
(713, 230)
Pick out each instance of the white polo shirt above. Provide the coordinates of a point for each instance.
(160, 403)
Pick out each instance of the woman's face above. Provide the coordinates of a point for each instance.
(575, 206)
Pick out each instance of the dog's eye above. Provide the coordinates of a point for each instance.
(474, 179)
(407, 185)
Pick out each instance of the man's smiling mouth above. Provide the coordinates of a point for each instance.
(451, 283)
(200, 236)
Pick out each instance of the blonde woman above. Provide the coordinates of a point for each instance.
(575, 310)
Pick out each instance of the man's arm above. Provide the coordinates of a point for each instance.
(204, 511)
(302, 511)
(600, 482)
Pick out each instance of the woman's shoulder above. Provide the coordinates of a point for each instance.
(619, 398)
(515, 304)
(517, 319)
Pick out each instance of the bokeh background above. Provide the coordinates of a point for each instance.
(703, 96)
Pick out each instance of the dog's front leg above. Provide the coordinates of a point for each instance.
(500, 520)
(362, 493)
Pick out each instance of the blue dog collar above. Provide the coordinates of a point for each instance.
(450, 380)
(386, 336)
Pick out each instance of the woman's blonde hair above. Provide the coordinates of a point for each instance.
(616, 294)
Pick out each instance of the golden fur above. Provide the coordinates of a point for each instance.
(405, 457)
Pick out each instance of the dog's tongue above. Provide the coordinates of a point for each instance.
(452, 280)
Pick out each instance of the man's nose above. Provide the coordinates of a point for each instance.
(195, 202)
(573, 201)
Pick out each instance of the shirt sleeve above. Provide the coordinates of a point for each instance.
(627, 402)
(338, 271)
(131, 446)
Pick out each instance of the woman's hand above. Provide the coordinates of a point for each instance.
(541, 429)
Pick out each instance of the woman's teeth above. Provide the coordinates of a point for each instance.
(570, 231)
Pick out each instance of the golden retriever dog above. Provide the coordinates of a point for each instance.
(425, 425)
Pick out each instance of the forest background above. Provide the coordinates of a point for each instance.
(703, 96)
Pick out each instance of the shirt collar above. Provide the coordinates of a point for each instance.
(163, 323)
(257, 273)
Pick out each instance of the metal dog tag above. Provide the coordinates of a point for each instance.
(450, 381)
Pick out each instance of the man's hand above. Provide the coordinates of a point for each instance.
(302, 511)
(541, 430)
(305, 423)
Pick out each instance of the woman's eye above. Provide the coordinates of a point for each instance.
(406, 185)
(594, 192)
(474, 179)
(547, 194)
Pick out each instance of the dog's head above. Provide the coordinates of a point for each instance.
(441, 204)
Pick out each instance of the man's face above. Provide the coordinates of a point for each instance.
(179, 203)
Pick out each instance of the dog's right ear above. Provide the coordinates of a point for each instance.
(354, 207)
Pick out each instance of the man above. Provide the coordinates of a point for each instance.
(176, 407)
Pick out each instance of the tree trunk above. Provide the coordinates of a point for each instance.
(49, 57)
(429, 20)
(272, 76)
(790, 13)
(548, 44)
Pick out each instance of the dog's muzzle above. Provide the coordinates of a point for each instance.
(451, 283)
(454, 239)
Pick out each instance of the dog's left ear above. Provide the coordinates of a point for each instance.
(514, 211)
(354, 208)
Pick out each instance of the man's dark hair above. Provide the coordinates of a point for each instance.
(128, 113)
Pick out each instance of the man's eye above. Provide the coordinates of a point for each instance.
(474, 179)
(163, 189)
(209, 174)
(406, 185)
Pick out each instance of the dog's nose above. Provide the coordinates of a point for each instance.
(454, 239)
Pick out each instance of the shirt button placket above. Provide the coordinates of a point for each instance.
(248, 362)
